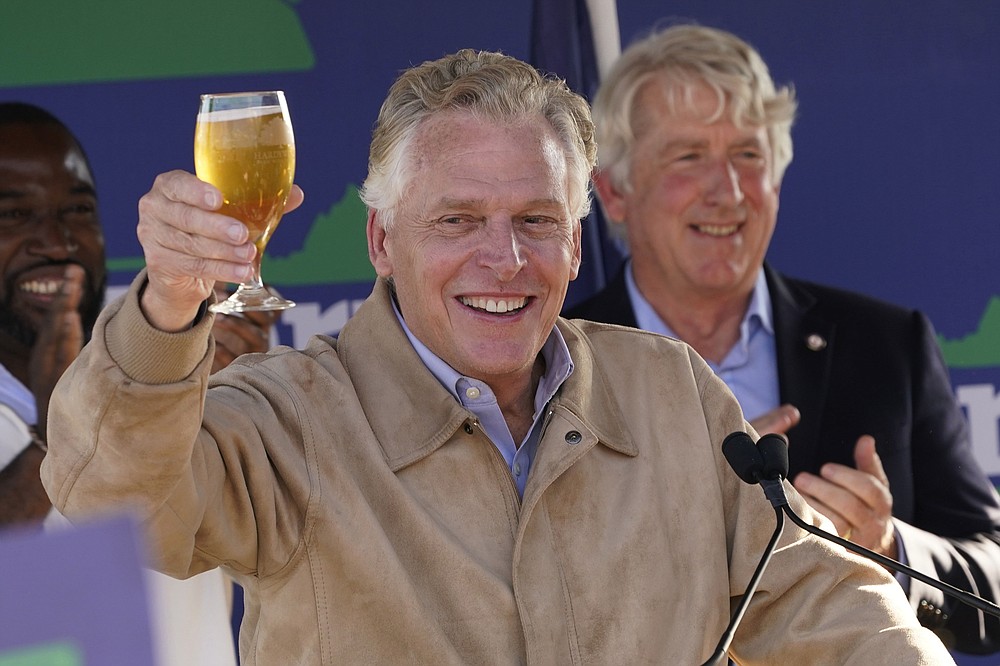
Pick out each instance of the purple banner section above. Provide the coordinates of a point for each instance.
(74, 597)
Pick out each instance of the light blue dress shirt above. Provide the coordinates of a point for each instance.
(17, 396)
(750, 368)
(478, 398)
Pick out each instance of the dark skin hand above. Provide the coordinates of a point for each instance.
(22, 498)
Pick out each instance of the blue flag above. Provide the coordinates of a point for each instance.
(562, 44)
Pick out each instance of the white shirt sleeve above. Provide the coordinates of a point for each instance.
(14, 436)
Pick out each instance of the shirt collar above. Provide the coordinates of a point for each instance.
(759, 309)
(558, 364)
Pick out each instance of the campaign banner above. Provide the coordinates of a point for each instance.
(890, 193)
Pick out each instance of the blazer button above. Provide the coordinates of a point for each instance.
(573, 437)
(468, 429)
(930, 615)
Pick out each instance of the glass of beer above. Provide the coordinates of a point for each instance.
(243, 144)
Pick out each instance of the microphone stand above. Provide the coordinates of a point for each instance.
(766, 464)
(963, 596)
(719, 656)
(774, 459)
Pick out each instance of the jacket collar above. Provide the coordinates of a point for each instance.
(410, 412)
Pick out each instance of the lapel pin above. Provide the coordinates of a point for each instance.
(815, 342)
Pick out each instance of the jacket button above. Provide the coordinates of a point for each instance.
(573, 437)
(468, 428)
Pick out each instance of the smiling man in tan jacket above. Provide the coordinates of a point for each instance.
(462, 477)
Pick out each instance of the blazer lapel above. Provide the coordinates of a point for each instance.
(804, 341)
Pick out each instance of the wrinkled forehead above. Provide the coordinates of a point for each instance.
(40, 152)
(693, 98)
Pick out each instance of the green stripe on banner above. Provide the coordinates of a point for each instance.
(50, 654)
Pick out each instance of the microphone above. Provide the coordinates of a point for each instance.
(773, 450)
(750, 464)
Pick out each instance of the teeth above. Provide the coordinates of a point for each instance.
(44, 287)
(498, 306)
(717, 231)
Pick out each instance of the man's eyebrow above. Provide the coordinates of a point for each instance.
(683, 143)
(749, 141)
(83, 188)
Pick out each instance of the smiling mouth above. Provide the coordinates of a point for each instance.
(494, 305)
(717, 231)
(46, 287)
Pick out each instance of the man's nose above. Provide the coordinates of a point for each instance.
(724, 184)
(53, 235)
(502, 250)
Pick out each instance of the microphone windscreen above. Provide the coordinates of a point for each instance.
(774, 451)
(743, 456)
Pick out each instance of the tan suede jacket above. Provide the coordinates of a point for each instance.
(371, 521)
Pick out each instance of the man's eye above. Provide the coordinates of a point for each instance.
(11, 218)
(539, 224)
(78, 212)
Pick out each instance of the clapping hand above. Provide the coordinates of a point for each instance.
(857, 500)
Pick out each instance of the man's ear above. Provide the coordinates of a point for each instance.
(378, 250)
(577, 251)
(612, 200)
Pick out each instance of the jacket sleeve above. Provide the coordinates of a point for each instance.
(126, 435)
(955, 531)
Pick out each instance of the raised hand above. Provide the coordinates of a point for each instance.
(858, 501)
(59, 342)
(189, 247)
(60, 339)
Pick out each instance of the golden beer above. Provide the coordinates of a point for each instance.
(243, 145)
(249, 154)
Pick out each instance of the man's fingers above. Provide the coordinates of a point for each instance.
(867, 459)
(185, 187)
(778, 421)
(833, 494)
(869, 485)
(295, 198)
(177, 225)
(861, 502)
(840, 523)
(68, 298)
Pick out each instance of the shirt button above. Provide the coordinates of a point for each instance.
(573, 437)
(472, 393)
(517, 469)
